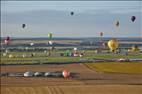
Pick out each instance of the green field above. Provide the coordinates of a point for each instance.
(113, 67)
(41, 57)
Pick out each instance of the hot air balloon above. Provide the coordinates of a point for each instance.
(23, 25)
(113, 44)
(101, 34)
(28, 74)
(135, 48)
(50, 36)
(7, 40)
(66, 73)
(75, 49)
(117, 23)
(133, 18)
(50, 42)
(72, 13)
(31, 44)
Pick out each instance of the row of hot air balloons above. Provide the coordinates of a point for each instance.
(8, 39)
(133, 18)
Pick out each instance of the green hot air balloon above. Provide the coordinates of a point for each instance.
(50, 36)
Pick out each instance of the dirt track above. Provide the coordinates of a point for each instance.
(85, 82)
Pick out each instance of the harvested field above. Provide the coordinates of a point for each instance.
(88, 89)
(87, 81)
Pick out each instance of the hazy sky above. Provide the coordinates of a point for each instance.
(89, 19)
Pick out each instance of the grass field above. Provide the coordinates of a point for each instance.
(41, 57)
(117, 67)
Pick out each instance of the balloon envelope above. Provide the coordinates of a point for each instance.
(7, 40)
(50, 35)
(117, 23)
(101, 34)
(50, 42)
(72, 13)
(23, 25)
(135, 48)
(133, 18)
(31, 44)
(113, 44)
(66, 73)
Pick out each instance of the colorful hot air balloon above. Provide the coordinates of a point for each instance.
(133, 18)
(72, 13)
(7, 40)
(23, 25)
(117, 23)
(113, 44)
(50, 36)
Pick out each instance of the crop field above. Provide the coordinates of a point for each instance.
(117, 67)
(87, 80)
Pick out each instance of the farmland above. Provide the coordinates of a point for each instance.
(100, 72)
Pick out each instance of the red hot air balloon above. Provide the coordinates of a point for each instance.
(66, 73)
(133, 18)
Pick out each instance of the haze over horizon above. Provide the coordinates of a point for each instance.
(89, 19)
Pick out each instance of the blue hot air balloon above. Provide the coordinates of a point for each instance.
(133, 18)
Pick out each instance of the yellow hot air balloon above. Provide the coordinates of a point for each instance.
(50, 35)
(135, 48)
(113, 44)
